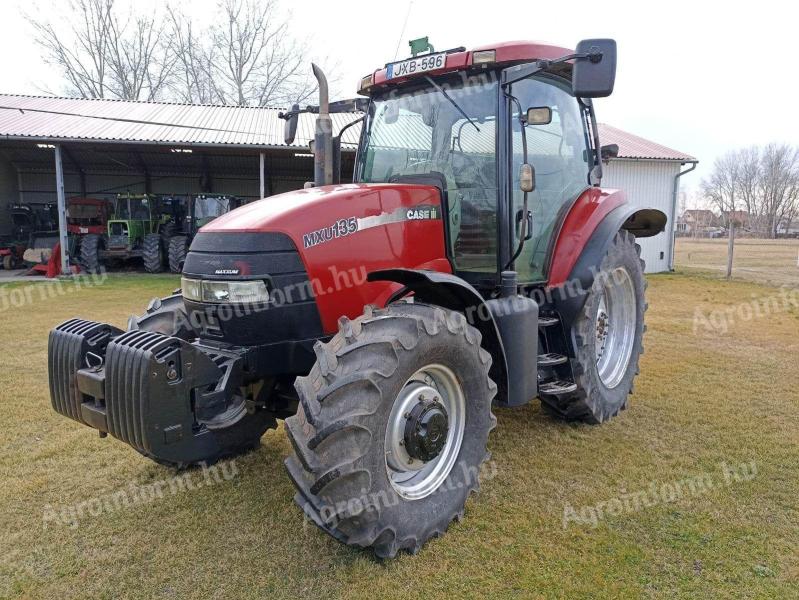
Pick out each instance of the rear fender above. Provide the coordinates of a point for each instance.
(451, 292)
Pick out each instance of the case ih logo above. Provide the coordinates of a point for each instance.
(348, 226)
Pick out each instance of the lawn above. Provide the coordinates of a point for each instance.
(773, 262)
(717, 402)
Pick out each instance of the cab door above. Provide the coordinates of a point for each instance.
(559, 153)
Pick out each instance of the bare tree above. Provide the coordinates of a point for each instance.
(82, 59)
(722, 189)
(779, 186)
(257, 61)
(246, 56)
(193, 81)
(103, 53)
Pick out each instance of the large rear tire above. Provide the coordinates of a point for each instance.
(153, 253)
(168, 316)
(608, 338)
(392, 427)
(91, 245)
(178, 245)
(9, 262)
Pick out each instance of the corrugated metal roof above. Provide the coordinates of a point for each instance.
(219, 125)
(632, 146)
(154, 122)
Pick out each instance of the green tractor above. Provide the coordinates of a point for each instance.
(134, 231)
(202, 210)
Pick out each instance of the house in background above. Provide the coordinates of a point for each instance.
(697, 222)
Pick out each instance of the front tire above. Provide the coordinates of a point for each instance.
(607, 337)
(392, 427)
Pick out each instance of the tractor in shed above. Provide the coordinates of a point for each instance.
(475, 261)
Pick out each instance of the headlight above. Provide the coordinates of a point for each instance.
(238, 292)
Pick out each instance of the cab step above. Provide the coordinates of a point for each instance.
(551, 359)
(557, 387)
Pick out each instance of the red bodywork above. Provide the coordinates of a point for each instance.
(506, 52)
(337, 268)
(82, 229)
(584, 216)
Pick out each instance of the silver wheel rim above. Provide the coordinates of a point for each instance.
(615, 325)
(411, 478)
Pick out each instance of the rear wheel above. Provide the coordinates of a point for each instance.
(392, 427)
(153, 253)
(178, 246)
(9, 262)
(90, 247)
(608, 338)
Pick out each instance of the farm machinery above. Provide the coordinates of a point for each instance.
(133, 230)
(33, 235)
(201, 210)
(475, 261)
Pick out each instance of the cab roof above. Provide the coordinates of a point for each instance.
(460, 59)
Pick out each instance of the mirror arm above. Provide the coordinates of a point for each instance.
(519, 72)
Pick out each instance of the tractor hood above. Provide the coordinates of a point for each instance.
(339, 234)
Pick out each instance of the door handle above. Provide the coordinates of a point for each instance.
(528, 234)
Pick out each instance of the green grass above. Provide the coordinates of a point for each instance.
(701, 399)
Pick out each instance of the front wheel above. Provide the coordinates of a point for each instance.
(392, 427)
(608, 338)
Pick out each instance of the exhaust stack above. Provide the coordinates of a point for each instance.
(323, 135)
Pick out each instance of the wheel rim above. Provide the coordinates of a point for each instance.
(435, 387)
(615, 325)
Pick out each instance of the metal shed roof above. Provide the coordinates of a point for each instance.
(78, 119)
(632, 146)
(48, 118)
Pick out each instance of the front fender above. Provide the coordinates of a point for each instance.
(451, 292)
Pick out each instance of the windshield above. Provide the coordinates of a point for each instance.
(423, 130)
(210, 207)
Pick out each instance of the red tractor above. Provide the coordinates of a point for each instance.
(474, 260)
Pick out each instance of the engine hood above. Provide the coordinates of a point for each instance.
(342, 233)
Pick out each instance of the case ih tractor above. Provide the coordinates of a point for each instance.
(474, 260)
(133, 231)
(202, 210)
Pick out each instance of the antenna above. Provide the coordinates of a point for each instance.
(404, 25)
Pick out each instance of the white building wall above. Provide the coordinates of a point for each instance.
(649, 184)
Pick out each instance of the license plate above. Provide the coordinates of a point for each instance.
(419, 64)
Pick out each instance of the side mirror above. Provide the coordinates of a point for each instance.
(594, 76)
(392, 113)
(526, 177)
(290, 128)
(541, 115)
(609, 151)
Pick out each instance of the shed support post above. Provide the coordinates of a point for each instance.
(262, 174)
(62, 210)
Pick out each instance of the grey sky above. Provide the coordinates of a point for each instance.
(702, 77)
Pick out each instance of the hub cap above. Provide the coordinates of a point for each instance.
(425, 431)
(615, 325)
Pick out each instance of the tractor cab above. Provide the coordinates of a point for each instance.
(134, 217)
(87, 215)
